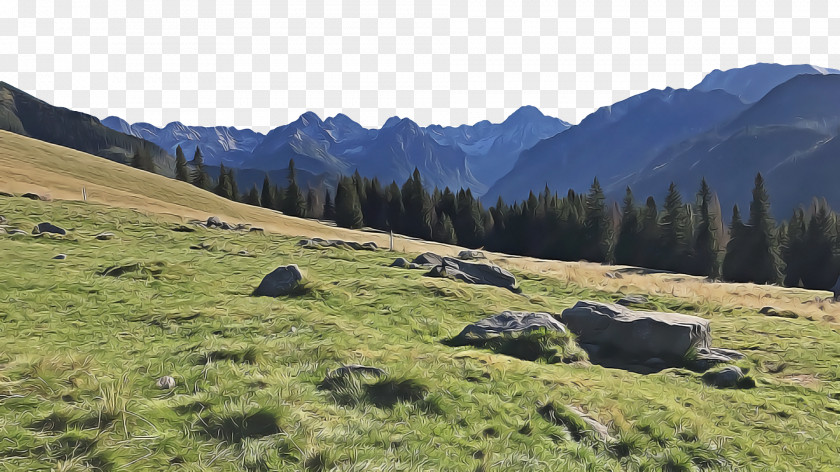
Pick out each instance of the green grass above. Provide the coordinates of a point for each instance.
(80, 353)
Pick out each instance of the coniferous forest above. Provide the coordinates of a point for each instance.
(674, 235)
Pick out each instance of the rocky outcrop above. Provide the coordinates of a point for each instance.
(509, 323)
(45, 227)
(322, 243)
(471, 255)
(284, 280)
(617, 336)
(470, 272)
(633, 300)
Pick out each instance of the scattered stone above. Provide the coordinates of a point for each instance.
(14, 231)
(470, 255)
(617, 336)
(183, 229)
(596, 426)
(213, 222)
(354, 369)
(400, 262)
(33, 196)
(614, 275)
(6, 194)
(2, 220)
(45, 227)
(105, 236)
(227, 226)
(473, 273)
(256, 229)
(321, 243)
(633, 300)
(507, 323)
(244, 253)
(2, 230)
(728, 377)
(293, 330)
(165, 383)
(282, 281)
(771, 311)
(60, 257)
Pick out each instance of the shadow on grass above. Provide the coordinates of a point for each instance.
(541, 345)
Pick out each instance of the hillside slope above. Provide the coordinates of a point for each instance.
(28, 165)
(249, 391)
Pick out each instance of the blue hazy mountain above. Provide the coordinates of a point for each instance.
(790, 136)
(752, 82)
(471, 156)
(218, 144)
(615, 142)
(492, 148)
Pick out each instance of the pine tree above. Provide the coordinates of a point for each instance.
(795, 249)
(763, 248)
(314, 208)
(444, 232)
(234, 187)
(182, 172)
(201, 179)
(673, 224)
(329, 209)
(293, 202)
(253, 197)
(736, 261)
(395, 208)
(468, 224)
(267, 195)
(224, 188)
(596, 226)
(198, 158)
(819, 265)
(418, 207)
(348, 212)
(706, 247)
(649, 236)
(627, 245)
(143, 160)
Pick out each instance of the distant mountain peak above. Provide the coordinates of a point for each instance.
(752, 82)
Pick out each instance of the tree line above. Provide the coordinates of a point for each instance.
(684, 237)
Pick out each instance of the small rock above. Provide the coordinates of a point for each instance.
(213, 222)
(728, 377)
(104, 236)
(31, 196)
(48, 228)
(255, 230)
(614, 275)
(469, 255)
(400, 262)
(282, 281)
(60, 257)
(633, 300)
(2, 230)
(165, 383)
(14, 231)
(244, 253)
(183, 229)
(771, 311)
(2, 220)
(293, 330)
(227, 226)
(355, 369)
(6, 194)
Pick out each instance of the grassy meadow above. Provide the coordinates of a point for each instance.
(83, 341)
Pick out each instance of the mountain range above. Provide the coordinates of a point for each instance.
(781, 120)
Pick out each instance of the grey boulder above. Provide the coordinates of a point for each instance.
(632, 300)
(474, 273)
(282, 281)
(60, 257)
(318, 243)
(400, 262)
(214, 222)
(165, 383)
(510, 323)
(614, 332)
(728, 377)
(470, 255)
(428, 259)
(45, 227)
(104, 236)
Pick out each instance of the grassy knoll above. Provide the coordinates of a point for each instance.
(83, 340)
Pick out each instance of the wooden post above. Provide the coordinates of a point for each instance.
(84, 194)
(391, 239)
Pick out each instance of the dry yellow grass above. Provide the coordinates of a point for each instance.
(28, 165)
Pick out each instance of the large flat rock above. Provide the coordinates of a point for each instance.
(640, 334)
(510, 323)
(470, 272)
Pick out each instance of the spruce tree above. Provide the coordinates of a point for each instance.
(267, 195)
(395, 208)
(293, 202)
(253, 197)
(596, 226)
(329, 208)
(234, 187)
(706, 247)
(444, 232)
(348, 212)
(182, 172)
(468, 224)
(418, 207)
(314, 208)
(819, 266)
(198, 158)
(627, 244)
(763, 248)
(201, 178)
(143, 160)
(795, 249)
(649, 236)
(224, 188)
(736, 261)
(673, 225)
